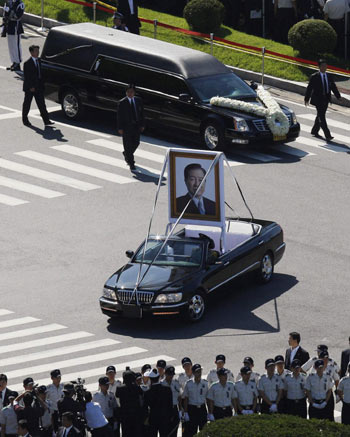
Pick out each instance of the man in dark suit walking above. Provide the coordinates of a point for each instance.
(319, 90)
(4, 391)
(131, 123)
(345, 360)
(295, 352)
(33, 86)
(194, 175)
(129, 9)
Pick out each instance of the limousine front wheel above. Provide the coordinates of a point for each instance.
(213, 136)
(196, 307)
(71, 105)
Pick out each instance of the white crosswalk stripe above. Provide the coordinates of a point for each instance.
(330, 121)
(11, 201)
(5, 312)
(16, 322)
(29, 188)
(31, 331)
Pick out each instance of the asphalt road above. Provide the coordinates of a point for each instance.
(60, 243)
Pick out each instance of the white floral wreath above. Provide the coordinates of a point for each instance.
(276, 119)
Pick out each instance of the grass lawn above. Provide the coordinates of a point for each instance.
(64, 11)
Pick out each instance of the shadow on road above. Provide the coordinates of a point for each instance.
(232, 308)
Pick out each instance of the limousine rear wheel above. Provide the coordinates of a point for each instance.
(196, 307)
(265, 272)
(71, 105)
(213, 136)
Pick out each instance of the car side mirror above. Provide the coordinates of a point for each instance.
(185, 98)
(129, 253)
(253, 85)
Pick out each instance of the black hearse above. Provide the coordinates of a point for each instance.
(90, 65)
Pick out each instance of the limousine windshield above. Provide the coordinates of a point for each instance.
(222, 85)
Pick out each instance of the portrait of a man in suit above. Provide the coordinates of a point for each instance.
(199, 204)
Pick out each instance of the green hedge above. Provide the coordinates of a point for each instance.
(204, 16)
(273, 426)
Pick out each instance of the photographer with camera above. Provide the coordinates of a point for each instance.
(33, 410)
(12, 29)
(74, 406)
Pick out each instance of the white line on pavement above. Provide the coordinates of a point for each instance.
(11, 201)
(304, 141)
(31, 331)
(330, 122)
(284, 148)
(19, 321)
(29, 188)
(256, 155)
(329, 145)
(5, 312)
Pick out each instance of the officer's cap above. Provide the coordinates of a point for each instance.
(245, 370)
(220, 358)
(319, 363)
(138, 375)
(161, 363)
(324, 354)
(69, 387)
(146, 367)
(186, 360)
(13, 395)
(152, 373)
(269, 362)
(322, 347)
(118, 15)
(42, 389)
(103, 380)
(55, 373)
(111, 369)
(248, 360)
(279, 359)
(28, 381)
(196, 367)
(295, 364)
(170, 370)
(222, 372)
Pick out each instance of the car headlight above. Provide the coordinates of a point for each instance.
(294, 118)
(240, 124)
(110, 294)
(169, 298)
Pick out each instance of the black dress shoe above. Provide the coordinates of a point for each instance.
(132, 166)
(330, 138)
(27, 123)
(11, 68)
(49, 123)
(16, 67)
(316, 135)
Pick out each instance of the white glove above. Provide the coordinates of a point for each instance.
(245, 412)
(316, 405)
(181, 415)
(186, 417)
(250, 411)
(211, 417)
(273, 408)
(6, 8)
(323, 404)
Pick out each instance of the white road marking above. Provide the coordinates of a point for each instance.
(63, 364)
(29, 188)
(48, 176)
(98, 157)
(322, 144)
(291, 150)
(99, 370)
(256, 155)
(11, 201)
(45, 341)
(330, 122)
(19, 321)
(5, 312)
(294, 103)
(14, 113)
(72, 166)
(91, 345)
(31, 331)
(318, 144)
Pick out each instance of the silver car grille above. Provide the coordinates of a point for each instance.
(261, 125)
(124, 296)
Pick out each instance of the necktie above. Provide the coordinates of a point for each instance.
(133, 108)
(37, 67)
(201, 207)
(325, 85)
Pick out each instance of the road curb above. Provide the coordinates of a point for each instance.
(276, 82)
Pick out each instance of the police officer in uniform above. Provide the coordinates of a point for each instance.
(194, 402)
(118, 22)
(220, 362)
(247, 393)
(174, 385)
(344, 394)
(106, 400)
(54, 392)
(254, 376)
(187, 374)
(281, 372)
(294, 389)
(270, 388)
(112, 387)
(319, 391)
(46, 419)
(221, 396)
(146, 383)
(309, 365)
(13, 12)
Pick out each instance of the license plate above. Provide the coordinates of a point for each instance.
(132, 311)
(279, 137)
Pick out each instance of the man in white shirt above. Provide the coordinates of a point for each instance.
(95, 419)
(295, 352)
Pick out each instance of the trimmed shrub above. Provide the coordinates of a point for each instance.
(312, 37)
(204, 16)
(273, 426)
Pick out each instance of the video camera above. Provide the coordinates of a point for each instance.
(79, 389)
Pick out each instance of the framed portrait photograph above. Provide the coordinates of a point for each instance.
(187, 170)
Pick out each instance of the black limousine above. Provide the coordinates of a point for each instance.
(189, 267)
(90, 65)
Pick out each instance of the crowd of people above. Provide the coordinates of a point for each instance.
(156, 400)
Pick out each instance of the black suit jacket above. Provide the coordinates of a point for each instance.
(181, 202)
(125, 115)
(6, 400)
(73, 432)
(159, 401)
(314, 90)
(345, 359)
(301, 355)
(31, 76)
(124, 8)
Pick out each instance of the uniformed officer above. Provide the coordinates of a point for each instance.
(281, 372)
(54, 393)
(294, 389)
(106, 399)
(221, 396)
(112, 388)
(146, 383)
(309, 365)
(270, 388)
(254, 376)
(13, 29)
(187, 374)
(118, 22)
(46, 419)
(319, 390)
(161, 365)
(247, 393)
(344, 394)
(194, 402)
(220, 362)
(174, 385)
(8, 416)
